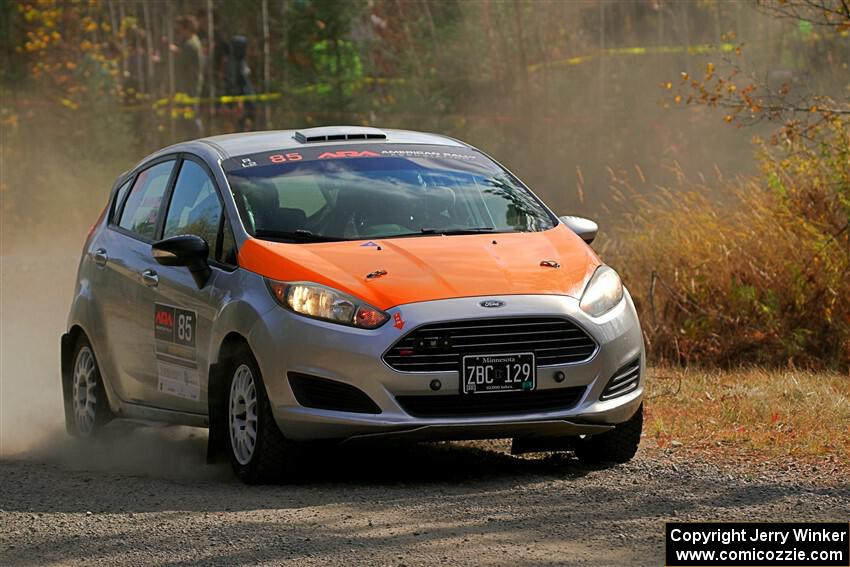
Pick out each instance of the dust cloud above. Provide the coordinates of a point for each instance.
(37, 278)
(37, 281)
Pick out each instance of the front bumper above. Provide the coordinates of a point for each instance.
(285, 342)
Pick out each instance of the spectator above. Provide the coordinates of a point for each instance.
(189, 72)
(241, 81)
(220, 59)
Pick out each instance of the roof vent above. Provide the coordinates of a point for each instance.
(338, 133)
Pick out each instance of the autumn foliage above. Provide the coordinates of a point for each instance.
(760, 275)
(71, 51)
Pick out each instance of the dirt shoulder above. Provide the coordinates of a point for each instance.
(469, 504)
(752, 417)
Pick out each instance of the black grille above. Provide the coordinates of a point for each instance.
(502, 403)
(438, 347)
(321, 393)
(624, 381)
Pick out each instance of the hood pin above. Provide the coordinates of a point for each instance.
(550, 264)
(376, 274)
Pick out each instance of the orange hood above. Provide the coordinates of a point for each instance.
(431, 267)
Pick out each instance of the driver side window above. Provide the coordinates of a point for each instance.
(195, 207)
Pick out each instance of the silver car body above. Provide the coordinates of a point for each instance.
(113, 305)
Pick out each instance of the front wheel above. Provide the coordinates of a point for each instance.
(618, 445)
(258, 450)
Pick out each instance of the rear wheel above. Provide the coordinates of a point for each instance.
(258, 450)
(89, 406)
(618, 445)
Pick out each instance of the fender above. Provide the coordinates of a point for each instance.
(235, 321)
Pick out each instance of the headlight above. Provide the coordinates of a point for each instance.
(322, 302)
(603, 292)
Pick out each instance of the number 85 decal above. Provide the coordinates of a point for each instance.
(282, 158)
(185, 327)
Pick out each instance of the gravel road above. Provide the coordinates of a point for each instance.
(144, 497)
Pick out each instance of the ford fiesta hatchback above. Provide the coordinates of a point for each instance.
(345, 284)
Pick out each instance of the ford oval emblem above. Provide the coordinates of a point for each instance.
(492, 303)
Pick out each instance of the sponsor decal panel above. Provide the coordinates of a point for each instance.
(178, 381)
(175, 340)
(320, 153)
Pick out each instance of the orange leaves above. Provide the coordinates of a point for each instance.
(64, 62)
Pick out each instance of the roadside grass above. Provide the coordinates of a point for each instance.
(726, 272)
(751, 414)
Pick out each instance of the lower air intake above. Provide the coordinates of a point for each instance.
(502, 403)
(624, 380)
(321, 393)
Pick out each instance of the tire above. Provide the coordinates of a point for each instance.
(258, 451)
(616, 446)
(87, 406)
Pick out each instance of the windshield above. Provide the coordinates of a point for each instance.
(365, 192)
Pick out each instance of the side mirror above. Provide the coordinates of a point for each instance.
(585, 228)
(185, 250)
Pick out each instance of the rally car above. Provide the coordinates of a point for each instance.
(346, 284)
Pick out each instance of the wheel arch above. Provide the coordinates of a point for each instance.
(68, 346)
(67, 343)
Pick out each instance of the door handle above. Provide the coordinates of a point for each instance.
(100, 257)
(150, 278)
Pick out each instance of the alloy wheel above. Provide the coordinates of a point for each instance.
(85, 391)
(242, 414)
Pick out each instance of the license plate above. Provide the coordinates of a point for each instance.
(483, 373)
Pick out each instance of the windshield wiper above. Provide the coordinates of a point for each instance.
(301, 235)
(450, 231)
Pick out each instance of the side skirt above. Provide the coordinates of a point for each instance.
(147, 413)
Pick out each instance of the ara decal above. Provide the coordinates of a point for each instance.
(348, 154)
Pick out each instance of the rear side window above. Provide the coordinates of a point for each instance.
(195, 207)
(140, 212)
(119, 198)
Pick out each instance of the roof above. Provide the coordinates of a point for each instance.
(230, 145)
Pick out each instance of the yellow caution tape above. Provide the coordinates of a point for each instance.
(661, 49)
(183, 99)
